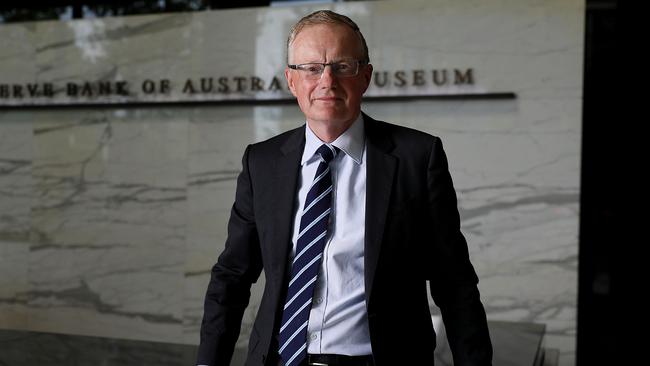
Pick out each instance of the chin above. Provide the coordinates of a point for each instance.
(334, 118)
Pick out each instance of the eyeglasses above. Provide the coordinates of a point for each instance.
(314, 70)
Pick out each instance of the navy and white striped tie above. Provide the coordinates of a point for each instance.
(306, 262)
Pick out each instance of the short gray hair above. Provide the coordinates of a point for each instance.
(326, 17)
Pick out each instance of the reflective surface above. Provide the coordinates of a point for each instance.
(515, 344)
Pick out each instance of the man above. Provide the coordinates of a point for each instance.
(349, 217)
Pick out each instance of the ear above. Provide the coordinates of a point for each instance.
(367, 76)
(291, 80)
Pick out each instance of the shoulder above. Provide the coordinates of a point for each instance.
(277, 145)
(402, 138)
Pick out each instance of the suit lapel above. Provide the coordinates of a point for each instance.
(380, 172)
(283, 188)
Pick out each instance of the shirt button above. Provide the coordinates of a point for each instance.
(314, 336)
(318, 300)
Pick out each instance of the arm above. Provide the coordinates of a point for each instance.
(454, 281)
(236, 269)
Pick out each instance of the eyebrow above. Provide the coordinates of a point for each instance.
(333, 61)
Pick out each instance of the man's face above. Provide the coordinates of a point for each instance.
(330, 99)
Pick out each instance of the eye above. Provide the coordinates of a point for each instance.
(343, 66)
(313, 68)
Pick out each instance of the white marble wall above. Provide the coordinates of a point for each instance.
(110, 218)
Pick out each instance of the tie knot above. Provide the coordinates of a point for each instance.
(327, 152)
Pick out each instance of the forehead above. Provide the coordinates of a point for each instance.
(329, 40)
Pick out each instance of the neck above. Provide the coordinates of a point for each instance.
(328, 132)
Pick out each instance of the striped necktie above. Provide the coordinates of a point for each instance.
(306, 263)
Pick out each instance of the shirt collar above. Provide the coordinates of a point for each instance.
(351, 142)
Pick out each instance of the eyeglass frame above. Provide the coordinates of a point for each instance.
(359, 63)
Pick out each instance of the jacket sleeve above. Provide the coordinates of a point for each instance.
(453, 280)
(237, 268)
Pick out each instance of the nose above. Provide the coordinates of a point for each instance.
(327, 78)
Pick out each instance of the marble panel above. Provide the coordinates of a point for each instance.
(109, 220)
(15, 209)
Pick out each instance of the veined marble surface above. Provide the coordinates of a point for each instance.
(111, 218)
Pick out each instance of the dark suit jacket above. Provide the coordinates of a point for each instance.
(412, 235)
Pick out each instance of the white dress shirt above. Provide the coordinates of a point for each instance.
(338, 321)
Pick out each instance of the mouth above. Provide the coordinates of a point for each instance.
(328, 99)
